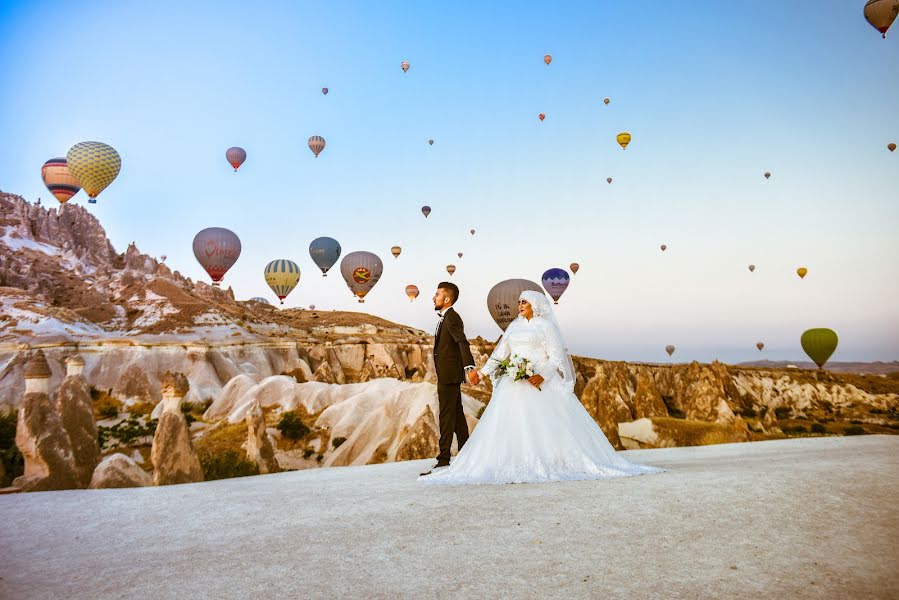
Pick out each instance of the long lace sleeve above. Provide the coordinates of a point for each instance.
(501, 352)
(555, 353)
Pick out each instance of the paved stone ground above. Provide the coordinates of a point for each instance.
(801, 518)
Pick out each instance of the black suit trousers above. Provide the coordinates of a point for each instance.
(452, 419)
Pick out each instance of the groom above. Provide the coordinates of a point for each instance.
(453, 361)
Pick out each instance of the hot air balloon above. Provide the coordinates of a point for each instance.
(95, 165)
(891, 147)
(624, 138)
(881, 14)
(316, 144)
(608, 180)
(502, 300)
(311, 307)
(325, 91)
(451, 269)
(606, 101)
(663, 247)
(361, 271)
(412, 292)
(669, 349)
(260, 300)
(801, 271)
(405, 66)
(324, 252)
(430, 142)
(541, 116)
(282, 276)
(819, 344)
(555, 282)
(574, 268)
(547, 58)
(760, 346)
(471, 231)
(396, 251)
(751, 268)
(216, 249)
(59, 180)
(426, 210)
(236, 156)
(163, 257)
(767, 174)
(459, 254)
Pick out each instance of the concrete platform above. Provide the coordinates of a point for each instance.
(801, 518)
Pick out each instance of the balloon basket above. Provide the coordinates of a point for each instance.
(91, 200)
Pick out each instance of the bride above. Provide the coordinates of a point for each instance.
(534, 429)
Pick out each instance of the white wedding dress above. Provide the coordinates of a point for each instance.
(529, 435)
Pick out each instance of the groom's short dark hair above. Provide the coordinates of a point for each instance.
(449, 288)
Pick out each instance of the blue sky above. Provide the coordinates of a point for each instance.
(714, 93)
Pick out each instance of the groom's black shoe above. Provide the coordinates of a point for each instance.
(437, 466)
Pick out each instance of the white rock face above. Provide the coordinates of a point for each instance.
(119, 471)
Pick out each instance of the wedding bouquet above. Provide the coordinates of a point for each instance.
(517, 366)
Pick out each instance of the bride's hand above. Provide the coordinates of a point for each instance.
(536, 380)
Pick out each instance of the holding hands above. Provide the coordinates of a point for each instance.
(474, 377)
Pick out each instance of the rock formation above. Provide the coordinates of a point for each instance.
(119, 471)
(173, 455)
(259, 446)
(40, 436)
(75, 409)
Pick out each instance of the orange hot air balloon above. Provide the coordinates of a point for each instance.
(574, 267)
(547, 58)
(608, 180)
(881, 14)
(412, 292)
(541, 116)
(459, 254)
(663, 247)
(316, 144)
(451, 269)
(767, 174)
(396, 251)
(61, 183)
(891, 147)
(760, 345)
(236, 156)
(801, 271)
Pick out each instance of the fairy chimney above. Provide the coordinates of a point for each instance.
(173, 455)
(74, 365)
(37, 374)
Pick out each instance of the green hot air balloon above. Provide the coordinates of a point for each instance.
(819, 344)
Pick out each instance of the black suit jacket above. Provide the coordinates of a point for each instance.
(451, 351)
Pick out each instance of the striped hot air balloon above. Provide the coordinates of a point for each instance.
(282, 276)
(95, 165)
(574, 267)
(59, 180)
(317, 144)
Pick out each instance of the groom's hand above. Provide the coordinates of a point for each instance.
(474, 377)
(536, 380)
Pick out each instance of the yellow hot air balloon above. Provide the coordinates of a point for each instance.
(451, 269)
(282, 276)
(548, 58)
(624, 138)
(396, 250)
(412, 292)
(801, 271)
(95, 165)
